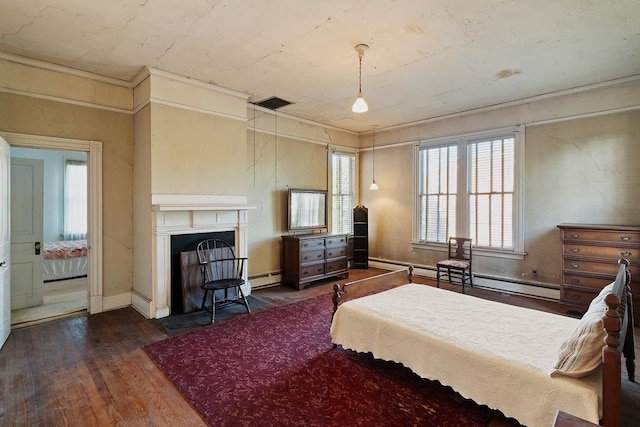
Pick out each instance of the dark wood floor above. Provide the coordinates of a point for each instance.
(92, 370)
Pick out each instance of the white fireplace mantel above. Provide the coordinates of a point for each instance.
(188, 214)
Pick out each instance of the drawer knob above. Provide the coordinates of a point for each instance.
(575, 235)
(575, 296)
(575, 281)
(625, 238)
(625, 254)
(575, 250)
(575, 265)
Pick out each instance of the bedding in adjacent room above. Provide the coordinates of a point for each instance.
(64, 259)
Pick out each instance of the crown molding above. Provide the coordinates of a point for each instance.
(62, 69)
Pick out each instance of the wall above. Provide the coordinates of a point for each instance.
(282, 153)
(35, 116)
(581, 165)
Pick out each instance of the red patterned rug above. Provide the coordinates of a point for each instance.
(278, 367)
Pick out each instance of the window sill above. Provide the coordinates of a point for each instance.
(491, 253)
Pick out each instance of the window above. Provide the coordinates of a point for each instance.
(491, 188)
(75, 199)
(438, 190)
(343, 169)
(469, 186)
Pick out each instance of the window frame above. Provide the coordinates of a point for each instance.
(462, 142)
(354, 184)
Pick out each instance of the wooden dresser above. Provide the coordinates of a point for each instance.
(310, 257)
(590, 254)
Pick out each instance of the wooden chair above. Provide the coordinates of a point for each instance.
(458, 265)
(221, 271)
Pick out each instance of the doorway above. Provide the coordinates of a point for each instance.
(61, 282)
(92, 286)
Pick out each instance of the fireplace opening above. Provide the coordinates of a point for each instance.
(186, 295)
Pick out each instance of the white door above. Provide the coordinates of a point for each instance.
(26, 232)
(5, 278)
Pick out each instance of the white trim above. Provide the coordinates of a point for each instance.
(144, 306)
(584, 116)
(195, 109)
(119, 300)
(64, 100)
(198, 202)
(480, 252)
(518, 102)
(94, 235)
(193, 82)
(62, 69)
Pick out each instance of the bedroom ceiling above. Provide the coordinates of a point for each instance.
(426, 59)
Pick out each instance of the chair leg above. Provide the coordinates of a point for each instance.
(462, 279)
(244, 299)
(204, 299)
(437, 277)
(213, 305)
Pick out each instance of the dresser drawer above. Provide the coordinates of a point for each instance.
(309, 272)
(337, 265)
(601, 251)
(311, 256)
(631, 237)
(335, 252)
(611, 269)
(586, 282)
(336, 241)
(582, 297)
(311, 244)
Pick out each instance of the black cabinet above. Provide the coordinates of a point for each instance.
(360, 237)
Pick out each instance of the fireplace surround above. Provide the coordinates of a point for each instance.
(189, 214)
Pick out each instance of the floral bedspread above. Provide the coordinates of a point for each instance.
(64, 249)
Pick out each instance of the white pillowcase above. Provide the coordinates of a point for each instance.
(581, 353)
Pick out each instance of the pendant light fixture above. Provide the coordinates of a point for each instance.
(373, 186)
(360, 106)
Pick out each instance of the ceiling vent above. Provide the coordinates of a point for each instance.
(272, 103)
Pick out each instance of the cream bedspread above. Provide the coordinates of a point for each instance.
(496, 354)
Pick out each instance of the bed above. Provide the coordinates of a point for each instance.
(517, 360)
(64, 259)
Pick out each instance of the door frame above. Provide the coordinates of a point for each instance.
(94, 188)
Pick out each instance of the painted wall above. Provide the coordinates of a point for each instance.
(30, 115)
(583, 170)
(282, 153)
(196, 153)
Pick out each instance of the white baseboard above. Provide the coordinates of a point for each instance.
(116, 301)
(141, 304)
(265, 281)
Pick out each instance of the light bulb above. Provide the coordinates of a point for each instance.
(360, 106)
(373, 186)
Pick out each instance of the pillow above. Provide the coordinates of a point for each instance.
(603, 294)
(581, 353)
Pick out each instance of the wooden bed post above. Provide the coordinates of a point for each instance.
(612, 369)
(338, 291)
